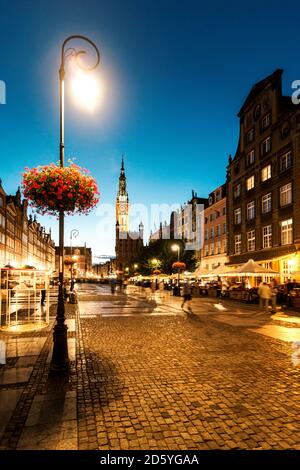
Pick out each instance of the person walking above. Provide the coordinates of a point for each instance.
(265, 294)
(113, 285)
(289, 288)
(274, 291)
(161, 289)
(187, 295)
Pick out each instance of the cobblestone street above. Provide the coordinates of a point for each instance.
(147, 376)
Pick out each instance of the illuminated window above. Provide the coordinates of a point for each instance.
(267, 236)
(250, 183)
(266, 173)
(285, 194)
(287, 232)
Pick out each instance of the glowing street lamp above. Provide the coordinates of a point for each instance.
(86, 91)
(60, 357)
(176, 248)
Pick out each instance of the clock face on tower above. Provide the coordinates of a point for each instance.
(122, 208)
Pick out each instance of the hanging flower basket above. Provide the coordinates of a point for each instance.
(69, 261)
(51, 189)
(156, 271)
(179, 265)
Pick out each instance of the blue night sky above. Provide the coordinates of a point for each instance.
(175, 74)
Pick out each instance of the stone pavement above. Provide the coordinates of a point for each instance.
(148, 376)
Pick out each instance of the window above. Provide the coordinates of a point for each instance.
(250, 136)
(266, 173)
(251, 210)
(251, 240)
(206, 250)
(238, 244)
(218, 196)
(224, 210)
(286, 161)
(219, 247)
(266, 203)
(267, 236)
(218, 230)
(212, 232)
(1, 202)
(266, 121)
(224, 228)
(257, 111)
(250, 157)
(238, 216)
(287, 232)
(225, 245)
(250, 183)
(237, 191)
(212, 249)
(266, 146)
(206, 235)
(285, 194)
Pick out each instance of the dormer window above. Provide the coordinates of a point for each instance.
(257, 112)
(250, 135)
(266, 146)
(250, 157)
(266, 121)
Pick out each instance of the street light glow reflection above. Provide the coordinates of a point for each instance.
(86, 90)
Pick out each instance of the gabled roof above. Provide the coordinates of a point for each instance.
(274, 78)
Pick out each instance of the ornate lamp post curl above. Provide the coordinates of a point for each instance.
(60, 357)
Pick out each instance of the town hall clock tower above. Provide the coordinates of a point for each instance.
(128, 244)
(122, 202)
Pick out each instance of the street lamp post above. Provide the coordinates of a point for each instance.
(74, 233)
(177, 248)
(60, 357)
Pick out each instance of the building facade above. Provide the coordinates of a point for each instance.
(214, 250)
(263, 182)
(185, 223)
(82, 261)
(128, 244)
(23, 241)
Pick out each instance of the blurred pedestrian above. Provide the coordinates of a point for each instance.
(264, 293)
(161, 289)
(274, 291)
(289, 288)
(187, 295)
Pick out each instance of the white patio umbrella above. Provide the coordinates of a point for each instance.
(251, 268)
(220, 270)
(201, 272)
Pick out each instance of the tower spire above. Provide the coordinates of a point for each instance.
(122, 166)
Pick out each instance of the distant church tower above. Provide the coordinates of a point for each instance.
(122, 203)
(128, 244)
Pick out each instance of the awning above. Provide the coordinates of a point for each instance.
(251, 268)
